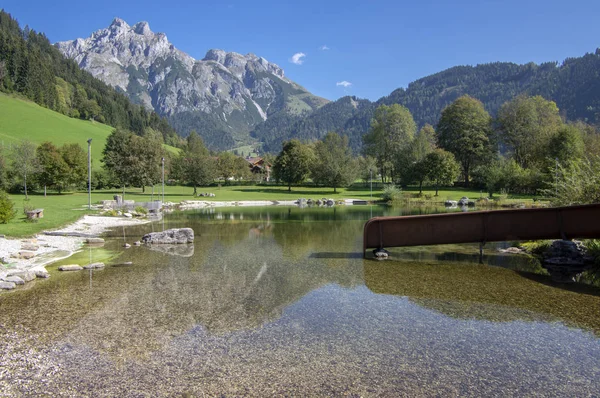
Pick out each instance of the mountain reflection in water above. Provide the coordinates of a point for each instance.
(281, 298)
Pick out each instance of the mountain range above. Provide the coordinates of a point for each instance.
(222, 96)
(232, 99)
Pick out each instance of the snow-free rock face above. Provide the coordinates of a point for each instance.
(224, 91)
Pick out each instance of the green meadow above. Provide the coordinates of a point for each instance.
(25, 120)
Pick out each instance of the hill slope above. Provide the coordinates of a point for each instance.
(574, 85)
(36, 70)
(20, 119)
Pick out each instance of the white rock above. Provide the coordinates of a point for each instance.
(70, 267)
(41, 273)
(94, 266)
(27, 276)
(7, 285)
(14, 279)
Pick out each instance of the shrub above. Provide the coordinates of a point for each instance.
(7, 208)
(111, 213)
(391, 193)
(141, 210)
(576, 183)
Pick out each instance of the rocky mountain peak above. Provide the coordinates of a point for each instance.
(118, 24)
(142, 28)
(225, 91)
(215, 55)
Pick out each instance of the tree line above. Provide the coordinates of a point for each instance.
(519, 151)
(525, 149)
(26, 166)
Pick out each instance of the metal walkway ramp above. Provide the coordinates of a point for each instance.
(483, 226)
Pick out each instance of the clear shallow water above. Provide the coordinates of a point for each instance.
(278, 301)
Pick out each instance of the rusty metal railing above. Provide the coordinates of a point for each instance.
(483, 226)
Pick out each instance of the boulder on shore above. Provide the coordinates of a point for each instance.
(565, 260)
(14, 279)
(7, 285)
(94, 266)
(71, 267)
(27, 276)
(170, 236)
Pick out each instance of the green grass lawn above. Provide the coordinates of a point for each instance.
(66, 208)
(21, 119)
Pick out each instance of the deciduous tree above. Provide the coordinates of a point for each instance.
(566, 145)
(76, 159)
(334, 165)
(195, 165)
(116, 157)
(293, 164)
(463, 130)
(526, 125)
(392, 130)
(24, 161)
(53, 169)
(442, 168)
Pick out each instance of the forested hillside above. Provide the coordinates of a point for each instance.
(574, 85)
(32, 67)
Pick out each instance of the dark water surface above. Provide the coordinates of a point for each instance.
(278, 301)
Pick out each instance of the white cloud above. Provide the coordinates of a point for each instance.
(343, 83)
(297, 58)
(324, 47)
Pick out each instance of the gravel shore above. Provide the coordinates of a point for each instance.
(62, 246)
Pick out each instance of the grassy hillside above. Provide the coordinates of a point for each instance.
(20, 119)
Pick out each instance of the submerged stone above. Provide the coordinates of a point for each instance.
(94, 240)
(170, 236)
(125, 264)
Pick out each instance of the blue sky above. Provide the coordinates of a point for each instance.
(375, 45)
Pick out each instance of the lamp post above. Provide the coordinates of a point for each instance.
(89, 174)
(556, 178)
(371, 181)
(163, 180)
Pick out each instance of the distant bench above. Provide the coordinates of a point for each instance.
(35, 213)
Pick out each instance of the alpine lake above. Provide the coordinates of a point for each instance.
(278, 301)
